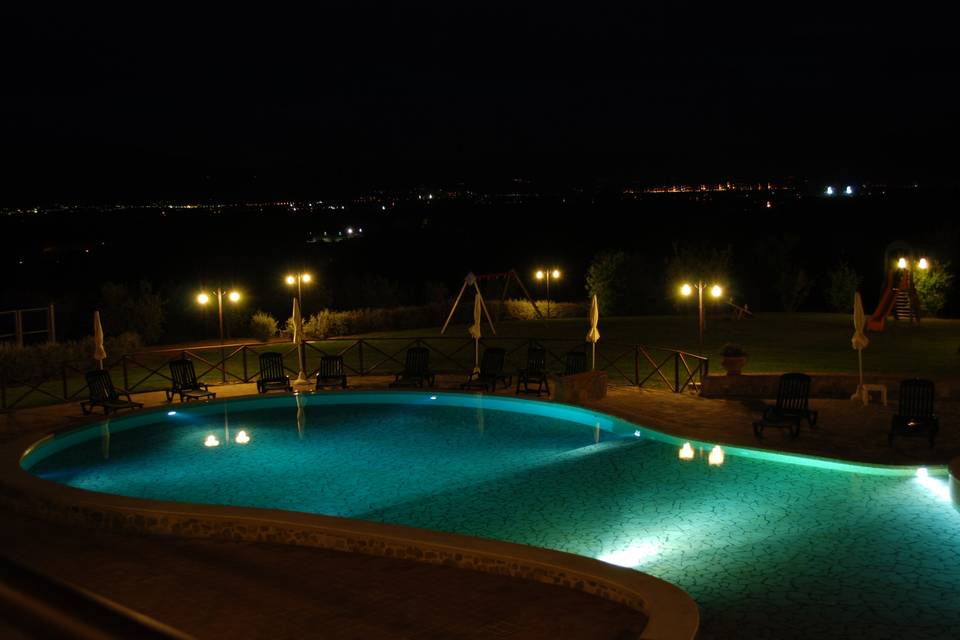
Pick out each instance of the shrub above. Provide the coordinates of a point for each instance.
(933, 285)
(733, 350)
(42, 361)
(842, 284)
(263, 326)
(521, 309)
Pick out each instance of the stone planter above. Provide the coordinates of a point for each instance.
(733, 365)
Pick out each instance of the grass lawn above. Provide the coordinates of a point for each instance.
(775, 342)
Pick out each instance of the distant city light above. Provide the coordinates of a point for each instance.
(349, 231)
(829, 191)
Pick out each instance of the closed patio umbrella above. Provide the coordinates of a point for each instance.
(859, 342)
(99, 353)
(475, 332)
(593, 335)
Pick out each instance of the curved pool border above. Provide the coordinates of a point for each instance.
(670, 611)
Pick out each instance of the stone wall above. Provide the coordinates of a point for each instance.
(579, 387)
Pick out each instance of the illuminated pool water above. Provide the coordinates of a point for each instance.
(769, 545)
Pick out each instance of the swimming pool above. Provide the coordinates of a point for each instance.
(769, 545)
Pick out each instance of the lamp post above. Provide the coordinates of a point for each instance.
(548, 274)
(203, 299)
(299, 279)
(715, 291)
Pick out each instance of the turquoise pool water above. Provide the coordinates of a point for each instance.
(769, 545)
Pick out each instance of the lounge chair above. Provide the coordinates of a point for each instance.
(915, 415)
(491, 372)
(574, 362)
(272, 374)
(103, 394)
(331, 373)
(416, 369)
(534, 372)
(793, 395)
(185, 383)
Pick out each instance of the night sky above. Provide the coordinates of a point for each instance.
(121, 103)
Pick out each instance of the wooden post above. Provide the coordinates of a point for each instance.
(245, 363)
(360, 354)
(636, 364)
(51, 325)
(676, 372)
(454, 307)
(18, 327)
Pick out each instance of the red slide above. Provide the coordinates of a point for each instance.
(887, 300)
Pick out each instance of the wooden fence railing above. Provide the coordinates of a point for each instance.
(148, 370)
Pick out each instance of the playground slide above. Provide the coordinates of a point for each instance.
(879, 317)
(888, 298)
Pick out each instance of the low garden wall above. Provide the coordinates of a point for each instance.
(822, 385)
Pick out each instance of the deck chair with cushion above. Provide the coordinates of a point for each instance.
(185, 383)
(272, 374)
(491, 372)
(331, 373)
(915, 417)
(103, 394)
(574, 362)
(793, 395)
(416, 369)
(535, 372)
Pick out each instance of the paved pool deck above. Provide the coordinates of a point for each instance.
(215, 589)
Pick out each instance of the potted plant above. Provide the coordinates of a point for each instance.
(734, 358)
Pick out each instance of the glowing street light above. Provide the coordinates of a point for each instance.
(204, 299)
(299, 279)
(715, 292)
(548, 274)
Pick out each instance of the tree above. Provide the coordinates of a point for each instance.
(622, 283)
(933, 285)
(123, 311)
(777, 256)
(842, 284)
